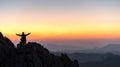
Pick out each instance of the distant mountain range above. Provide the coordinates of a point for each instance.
(89, 57)
(108, 56)
(108, 60)
(111, 48)
(95, 59)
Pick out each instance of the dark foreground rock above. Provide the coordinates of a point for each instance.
(31, 54)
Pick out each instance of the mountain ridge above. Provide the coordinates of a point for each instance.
(30, 54)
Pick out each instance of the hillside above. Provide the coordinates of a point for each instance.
(30, 54)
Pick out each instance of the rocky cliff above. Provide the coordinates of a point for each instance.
(31, 54)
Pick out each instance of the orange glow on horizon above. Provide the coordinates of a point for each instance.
(61, 24)
(94, 35)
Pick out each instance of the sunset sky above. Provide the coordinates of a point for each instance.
(61, 19)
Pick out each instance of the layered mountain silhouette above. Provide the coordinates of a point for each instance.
(108, 56)
(110, 61)
(30, 54)
(110, 48)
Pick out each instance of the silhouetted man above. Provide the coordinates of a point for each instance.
(23, 37)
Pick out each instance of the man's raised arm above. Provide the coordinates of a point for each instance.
(18, 34)
(28, 34)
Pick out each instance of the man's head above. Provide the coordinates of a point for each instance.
(22, 33)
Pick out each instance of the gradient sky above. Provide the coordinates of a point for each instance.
(62, 20)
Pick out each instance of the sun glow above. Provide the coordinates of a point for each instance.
(77, 21)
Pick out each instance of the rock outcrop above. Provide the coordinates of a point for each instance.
(31, 54)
